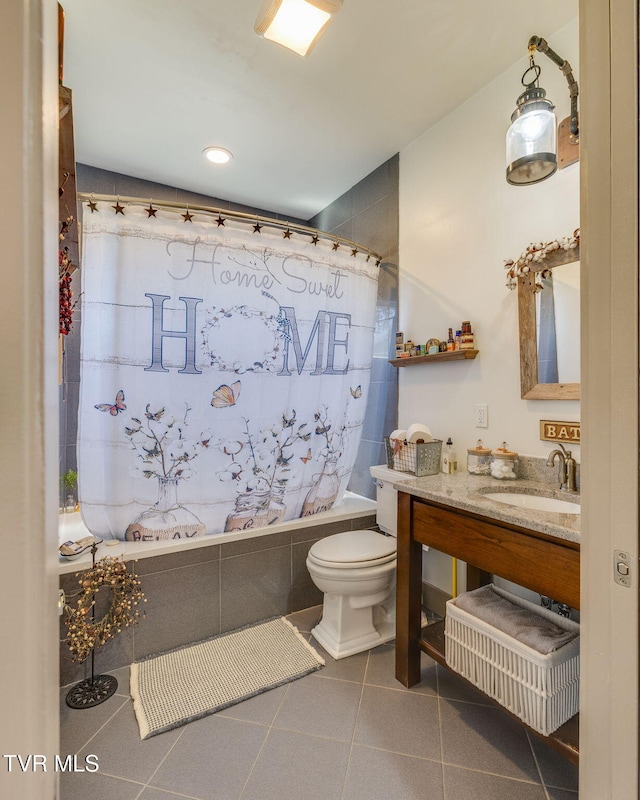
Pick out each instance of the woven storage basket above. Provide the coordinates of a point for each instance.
(542, 690)
(418, 459)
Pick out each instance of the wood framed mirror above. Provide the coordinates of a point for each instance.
(529, 328)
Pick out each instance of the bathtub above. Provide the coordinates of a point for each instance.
(71, 527)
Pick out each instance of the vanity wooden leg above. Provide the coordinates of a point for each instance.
(408, 597)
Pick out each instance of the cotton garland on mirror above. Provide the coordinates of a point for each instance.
(86, 633)
(534, 254)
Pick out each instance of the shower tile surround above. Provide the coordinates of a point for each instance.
(197, 593)
(225, 586)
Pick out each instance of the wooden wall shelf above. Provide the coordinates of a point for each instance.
(453, 355)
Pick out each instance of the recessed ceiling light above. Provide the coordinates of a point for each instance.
(296, 24)
(218, 155)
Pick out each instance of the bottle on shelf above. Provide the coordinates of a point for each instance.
(451, 345)
(467, 339)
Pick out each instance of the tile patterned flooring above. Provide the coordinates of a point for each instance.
(347, 732)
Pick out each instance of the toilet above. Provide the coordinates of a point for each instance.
(356, 571)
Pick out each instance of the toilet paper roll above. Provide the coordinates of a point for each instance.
(419, 432)
(399, 434)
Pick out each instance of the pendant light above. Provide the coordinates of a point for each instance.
(532, 139)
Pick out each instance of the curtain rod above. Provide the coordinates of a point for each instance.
(224, 213)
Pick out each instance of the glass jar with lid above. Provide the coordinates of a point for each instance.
(503, 463)
(479, 459)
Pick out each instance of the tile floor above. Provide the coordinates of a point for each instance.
(347, 732)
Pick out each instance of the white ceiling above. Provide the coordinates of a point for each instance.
(156, 81)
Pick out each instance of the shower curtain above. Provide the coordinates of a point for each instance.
(224, 372)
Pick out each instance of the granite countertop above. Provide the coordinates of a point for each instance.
(465, 491)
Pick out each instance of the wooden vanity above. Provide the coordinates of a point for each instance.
(538, 561)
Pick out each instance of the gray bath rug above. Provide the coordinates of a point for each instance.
(177, 687)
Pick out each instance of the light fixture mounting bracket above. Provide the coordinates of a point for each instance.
(541, 45)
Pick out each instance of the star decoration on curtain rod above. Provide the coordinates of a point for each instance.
(315, 237)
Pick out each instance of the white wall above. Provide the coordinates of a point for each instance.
(459, 221)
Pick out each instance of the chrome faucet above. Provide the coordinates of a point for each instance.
(567, 468)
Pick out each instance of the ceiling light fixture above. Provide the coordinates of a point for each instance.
(295, 24)
(218, 155)
(534, 150)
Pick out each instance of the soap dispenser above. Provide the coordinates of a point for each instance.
(449, 458)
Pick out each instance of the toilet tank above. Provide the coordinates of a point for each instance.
(386, 498)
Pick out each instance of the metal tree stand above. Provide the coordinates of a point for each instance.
(94, 690)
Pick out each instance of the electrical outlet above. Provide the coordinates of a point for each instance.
(482, 416)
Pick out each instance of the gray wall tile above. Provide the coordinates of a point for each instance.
(375, 187)
(304, 592)
(182, 607)
(93, 179)
(315, 532)
(335, 214)
(256, 543)
(254, 586)
(368, 213)
(181, 558)
(364, 523)
(373, 227)
(128, 186)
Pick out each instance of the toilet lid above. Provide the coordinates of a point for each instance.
(352, 547)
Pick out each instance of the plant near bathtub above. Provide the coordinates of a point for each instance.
(69, 484)
(267, 458)
(324, 491)
(163, 452)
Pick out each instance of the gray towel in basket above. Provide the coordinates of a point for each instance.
(521, 624)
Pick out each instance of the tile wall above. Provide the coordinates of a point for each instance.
(368, 213)
(194, 594)
(199, 593)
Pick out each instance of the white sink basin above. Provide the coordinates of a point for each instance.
(535, 502)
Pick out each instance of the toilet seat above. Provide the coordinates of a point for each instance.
(353, 549)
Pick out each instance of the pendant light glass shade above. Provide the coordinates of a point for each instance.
(532, 139)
